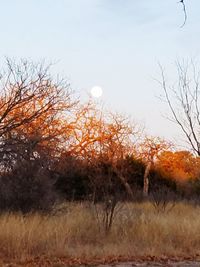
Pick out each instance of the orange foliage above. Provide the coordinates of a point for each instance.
(33, 110)
(179, 165)
(150, 149)
(96, 133)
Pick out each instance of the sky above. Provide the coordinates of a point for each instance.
(115, 44)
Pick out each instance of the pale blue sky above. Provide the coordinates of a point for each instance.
(112, 43)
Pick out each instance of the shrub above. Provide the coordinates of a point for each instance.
(72, 179)
(27, 188)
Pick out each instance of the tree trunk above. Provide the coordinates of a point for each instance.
(127, 187)
(146, 180)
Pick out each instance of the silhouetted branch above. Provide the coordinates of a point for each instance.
(184, 11)
(184, 102)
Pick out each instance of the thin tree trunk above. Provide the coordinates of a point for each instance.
(127, 187)
(146, 180)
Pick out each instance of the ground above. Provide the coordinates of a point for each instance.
(62, 262)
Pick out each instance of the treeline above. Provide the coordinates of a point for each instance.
(55, 148)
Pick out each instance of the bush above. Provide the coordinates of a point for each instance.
(133, 170)
(158, 180)
(27, 188)
(72, 179)
(163, 199)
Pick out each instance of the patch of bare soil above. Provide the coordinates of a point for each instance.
(155, 264)
(109, 262)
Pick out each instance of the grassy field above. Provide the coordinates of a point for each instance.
(77, 231)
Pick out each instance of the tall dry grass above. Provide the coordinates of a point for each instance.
(137, 230)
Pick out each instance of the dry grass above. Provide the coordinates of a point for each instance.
(137, 231)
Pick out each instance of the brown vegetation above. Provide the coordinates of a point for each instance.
(55, 149)
(138, 230)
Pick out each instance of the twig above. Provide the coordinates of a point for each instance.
(184, 11)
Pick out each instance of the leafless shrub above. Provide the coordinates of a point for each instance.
(163, 199)
(105, 213)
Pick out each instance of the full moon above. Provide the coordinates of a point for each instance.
(96, 91)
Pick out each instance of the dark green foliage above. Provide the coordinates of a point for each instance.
(190, 190)
(133, 170)
(27, 188)
(72, 179)
(195, 186)
(158, 180)
(30, 186)
(103, 180)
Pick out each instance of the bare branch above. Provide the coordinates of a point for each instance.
(184, 11)
(183, 101)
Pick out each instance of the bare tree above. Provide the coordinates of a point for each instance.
(149, 150)
(105, 137)
(32, 105)
(183, 99)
